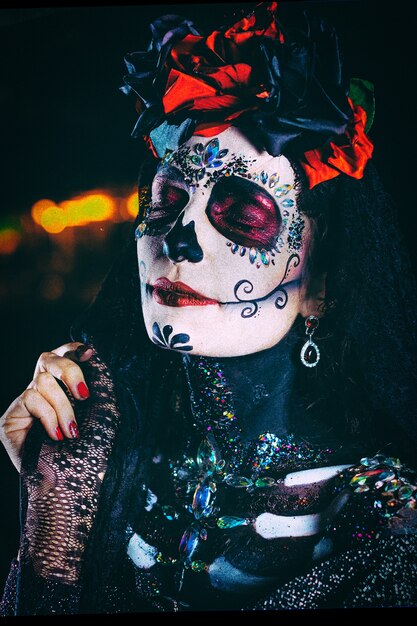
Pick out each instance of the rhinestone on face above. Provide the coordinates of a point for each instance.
(140, 230)
(196, 160)
(211, 150)
(273, 180)
(265, 257)
(282, 190)
(253, 253)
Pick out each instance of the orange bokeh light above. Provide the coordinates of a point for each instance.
(93, 206)
(53, 219)
(9, 240)
(38, 209)
(132, 204)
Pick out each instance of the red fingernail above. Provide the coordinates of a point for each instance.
(58, 433)
(83, 391)
(73, 428)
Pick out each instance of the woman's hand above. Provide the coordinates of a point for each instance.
(45, 400)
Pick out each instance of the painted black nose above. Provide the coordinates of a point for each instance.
(181, 243)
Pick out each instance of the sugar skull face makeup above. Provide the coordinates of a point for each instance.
(221, 249)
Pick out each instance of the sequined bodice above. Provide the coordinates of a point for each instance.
(210, 491)
(234, 510)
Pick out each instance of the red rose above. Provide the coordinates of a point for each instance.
(214, 75)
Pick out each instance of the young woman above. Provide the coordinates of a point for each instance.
(233, 424)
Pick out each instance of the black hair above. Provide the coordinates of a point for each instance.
(368, 376)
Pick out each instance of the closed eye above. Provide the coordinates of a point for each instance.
(244, 212)
(169, 196)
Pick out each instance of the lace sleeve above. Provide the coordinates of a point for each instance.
(61, 484)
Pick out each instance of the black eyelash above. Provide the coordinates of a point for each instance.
(161, 221)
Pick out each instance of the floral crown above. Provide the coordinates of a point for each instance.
(286, 88)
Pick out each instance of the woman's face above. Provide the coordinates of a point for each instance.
(221, 249)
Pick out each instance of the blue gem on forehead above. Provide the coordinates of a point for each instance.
(212, 149)
(287, 203)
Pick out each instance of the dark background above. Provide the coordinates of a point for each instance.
(65, 128)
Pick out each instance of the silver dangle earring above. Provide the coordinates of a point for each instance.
(310, 353)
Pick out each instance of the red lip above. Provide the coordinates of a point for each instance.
(178, 294)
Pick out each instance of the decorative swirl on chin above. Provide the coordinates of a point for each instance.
(282, 299)
(248, 311)
(246, 287)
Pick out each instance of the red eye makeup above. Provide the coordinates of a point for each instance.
(244, 212)
(169, 196)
